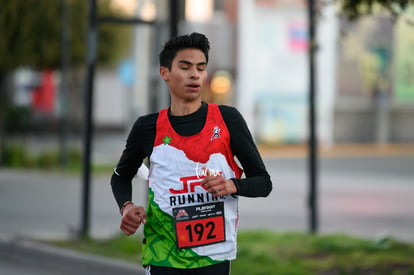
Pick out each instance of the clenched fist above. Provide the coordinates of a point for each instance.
(132, 217)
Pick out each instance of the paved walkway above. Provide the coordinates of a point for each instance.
(340, 150)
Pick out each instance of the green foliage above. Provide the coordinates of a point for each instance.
(47, 159)
(290, 253)
(353, 9)
(26, 26)
(31, 33)
(16, 155)
(297, 253)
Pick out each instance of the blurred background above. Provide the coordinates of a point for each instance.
(73, 79)
(57, 105)
(258, 63)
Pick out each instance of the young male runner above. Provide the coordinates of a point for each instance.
(194, 181)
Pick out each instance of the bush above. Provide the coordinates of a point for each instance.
(18, 156)
(48, 159)
(15, 155)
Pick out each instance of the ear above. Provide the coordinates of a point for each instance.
(164, 73)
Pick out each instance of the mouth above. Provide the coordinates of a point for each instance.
(193, 86)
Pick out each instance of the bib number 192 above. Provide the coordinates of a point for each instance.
(199, 225)
(200, 232)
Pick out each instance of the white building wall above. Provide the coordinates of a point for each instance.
(273, 71)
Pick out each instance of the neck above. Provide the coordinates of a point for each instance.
(182, 109)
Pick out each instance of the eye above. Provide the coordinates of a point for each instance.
(201, 68)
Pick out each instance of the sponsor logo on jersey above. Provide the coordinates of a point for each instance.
(182, 213)
(216, 133)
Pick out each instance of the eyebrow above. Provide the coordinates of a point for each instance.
(189, 63)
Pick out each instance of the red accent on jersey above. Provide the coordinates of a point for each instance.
(200, 146)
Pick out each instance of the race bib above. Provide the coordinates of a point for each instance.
(199, 225)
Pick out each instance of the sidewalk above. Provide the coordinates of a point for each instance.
(339, 150)
(107, 148)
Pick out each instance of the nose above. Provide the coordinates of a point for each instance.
(194, 74)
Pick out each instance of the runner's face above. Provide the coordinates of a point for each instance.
(187, 75)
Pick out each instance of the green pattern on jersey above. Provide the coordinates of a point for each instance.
(160, 248)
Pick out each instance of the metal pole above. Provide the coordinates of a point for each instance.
(88, 125)
(313, 146)
(92, 39)
(173, 18)
(63, 133)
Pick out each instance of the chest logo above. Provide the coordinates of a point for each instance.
(167, 140)
(216, 133)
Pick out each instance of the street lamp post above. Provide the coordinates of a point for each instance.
(88, 122)
(92, 41)
(313, 145)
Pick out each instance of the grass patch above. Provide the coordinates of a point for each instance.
(290, 253)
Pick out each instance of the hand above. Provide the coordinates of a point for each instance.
(218, 186)
(132, 217)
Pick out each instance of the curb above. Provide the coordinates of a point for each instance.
(62, 260)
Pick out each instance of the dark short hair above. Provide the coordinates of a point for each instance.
(190, 41)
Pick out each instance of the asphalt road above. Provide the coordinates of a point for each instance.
(366, 196)
(24, 256)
